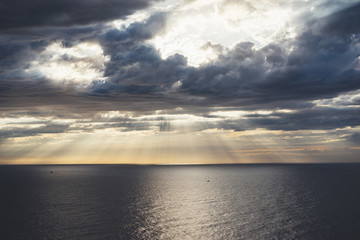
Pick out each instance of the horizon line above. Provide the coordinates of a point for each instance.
(180, 164)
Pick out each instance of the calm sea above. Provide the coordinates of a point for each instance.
(180, 202)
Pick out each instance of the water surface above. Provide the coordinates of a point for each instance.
(180, 202)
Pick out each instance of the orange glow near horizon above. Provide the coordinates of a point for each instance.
(181, 146)
(163, 138)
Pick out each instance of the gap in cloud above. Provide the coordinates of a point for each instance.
(201, 31)
(80, 63)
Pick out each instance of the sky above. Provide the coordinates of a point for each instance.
(179, 82)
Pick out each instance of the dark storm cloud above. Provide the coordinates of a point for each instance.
(128, 85)
(320, 65)
(15, 14)
(133, 35)
(27, 27)
(135, 67)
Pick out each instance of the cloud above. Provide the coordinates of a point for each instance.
(354, 138)
(342, 23)
(313, 65)
(314, 118)
(20, 14)
(6, 133)
(320, 63)
(74, 82)
(289, 72)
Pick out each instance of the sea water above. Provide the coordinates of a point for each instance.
(301, 201)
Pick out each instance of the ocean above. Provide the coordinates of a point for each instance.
(279, 201)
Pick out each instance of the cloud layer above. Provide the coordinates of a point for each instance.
(307, 81)
(20, 14)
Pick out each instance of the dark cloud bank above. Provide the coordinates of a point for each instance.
(321, 62)
(22, 14)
